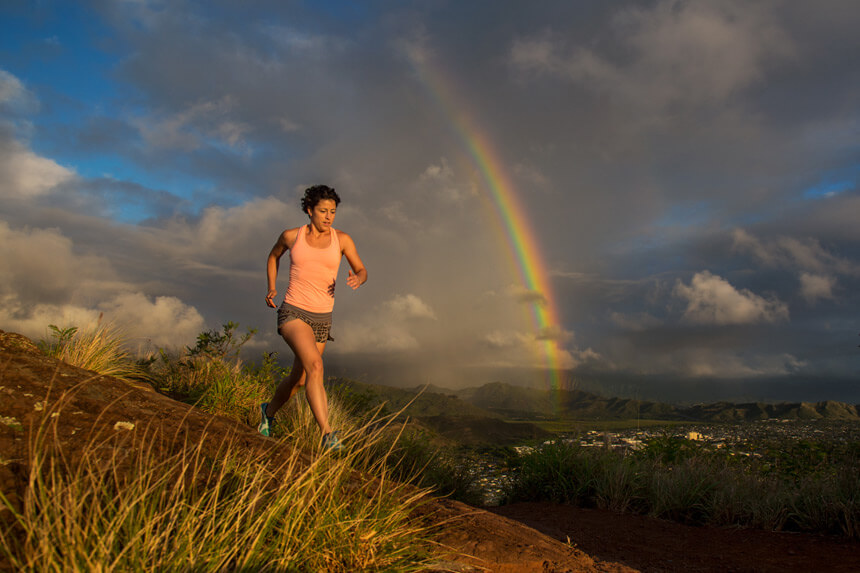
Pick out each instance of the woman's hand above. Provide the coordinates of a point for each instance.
(353, 280)
(270, 298)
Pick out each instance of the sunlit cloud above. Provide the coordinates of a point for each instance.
(45, 282)
(24, 174)
(409, 306)
(713, 300)
(392, 326)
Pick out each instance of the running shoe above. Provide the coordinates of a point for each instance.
(331, 442)
(266, 424)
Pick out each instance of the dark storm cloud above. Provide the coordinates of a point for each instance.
(667, 154)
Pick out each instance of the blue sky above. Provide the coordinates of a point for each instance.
(690, 170)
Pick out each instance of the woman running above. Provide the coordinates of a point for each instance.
(304, 318)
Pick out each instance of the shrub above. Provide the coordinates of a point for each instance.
(559, 472)
(684, 491)
(679, 480)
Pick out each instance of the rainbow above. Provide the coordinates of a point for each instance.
(521, 241)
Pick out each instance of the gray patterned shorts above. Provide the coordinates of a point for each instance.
(320, 322)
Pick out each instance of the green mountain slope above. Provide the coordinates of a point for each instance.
(529, 403)
(445, 413)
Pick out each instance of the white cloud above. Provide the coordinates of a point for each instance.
(14, 96)
(816, 287)
(376, 337)
(41, 266)
(713, 300)
(165, 320)
(23, 174)
(391, 326)
(44, 281)
(514, 348)
(410, 306)
(224, 238)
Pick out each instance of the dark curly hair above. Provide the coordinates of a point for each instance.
(317, 193)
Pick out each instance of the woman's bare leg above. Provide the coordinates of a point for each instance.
(307, 370)
(287, 388)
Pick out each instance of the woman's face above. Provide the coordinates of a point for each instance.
(322, 215)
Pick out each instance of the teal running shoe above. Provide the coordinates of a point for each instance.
(266, 424)
(331, 442)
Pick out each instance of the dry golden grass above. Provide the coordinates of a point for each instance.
(149, 503)
(99, 347)
(145, 504)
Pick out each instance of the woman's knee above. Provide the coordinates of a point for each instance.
(313, 368)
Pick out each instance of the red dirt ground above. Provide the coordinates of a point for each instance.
(655, 545)
(519, 538)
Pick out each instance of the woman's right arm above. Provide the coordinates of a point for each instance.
(283, 243)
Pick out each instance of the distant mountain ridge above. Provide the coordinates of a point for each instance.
(500, 413)
(440, 410)
(528, 403)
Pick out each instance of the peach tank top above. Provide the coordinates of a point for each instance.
(313, 273)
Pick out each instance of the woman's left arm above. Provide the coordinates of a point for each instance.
(357, 274)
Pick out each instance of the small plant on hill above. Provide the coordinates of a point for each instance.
(218, 345)
(100, 348)
(211, 375)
